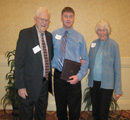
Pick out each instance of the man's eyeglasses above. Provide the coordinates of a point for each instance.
(43, 20)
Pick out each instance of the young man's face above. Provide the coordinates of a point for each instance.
(68, 19)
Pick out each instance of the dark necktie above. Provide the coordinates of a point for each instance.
(45, 56)
(62, 51)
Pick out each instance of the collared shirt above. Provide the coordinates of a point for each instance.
(97, 70)
(75, 49)
(42, 53)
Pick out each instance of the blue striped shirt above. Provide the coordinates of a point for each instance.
(75, 49)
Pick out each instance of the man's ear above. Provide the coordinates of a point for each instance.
(35, 19)
(61, 19)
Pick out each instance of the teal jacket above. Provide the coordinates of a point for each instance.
(111, 68)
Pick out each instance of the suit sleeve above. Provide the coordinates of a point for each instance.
(19, 61)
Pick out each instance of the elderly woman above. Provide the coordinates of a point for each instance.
(105, 74)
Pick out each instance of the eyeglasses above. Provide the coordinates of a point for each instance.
(102, 30)
(43, 20)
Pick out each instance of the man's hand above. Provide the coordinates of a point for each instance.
(22, 93)
(74, 79)
(82, 61)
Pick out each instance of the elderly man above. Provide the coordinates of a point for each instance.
(34, 53)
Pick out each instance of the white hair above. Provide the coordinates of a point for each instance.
(40, 10)
(104, 24)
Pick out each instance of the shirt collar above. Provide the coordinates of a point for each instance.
(105, 40)
(69, 31)
(38, 30)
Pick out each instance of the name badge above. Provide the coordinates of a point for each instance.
(93, 45)
(58, 37)
(36, 49)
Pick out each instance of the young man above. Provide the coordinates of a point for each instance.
(68, 93)
(32, 72)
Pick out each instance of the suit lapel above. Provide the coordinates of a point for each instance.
(36, 41)
(48, 43)
(48, 40)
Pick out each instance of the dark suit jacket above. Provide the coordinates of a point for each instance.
(28, 66)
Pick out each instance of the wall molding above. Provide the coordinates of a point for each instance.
(124, 102)
(124, 62)
(3, 61)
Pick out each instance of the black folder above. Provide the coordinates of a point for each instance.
(69, 68)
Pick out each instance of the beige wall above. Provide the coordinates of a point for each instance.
(18, 14)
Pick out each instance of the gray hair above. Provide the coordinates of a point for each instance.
(40, 10)
(104, 24)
